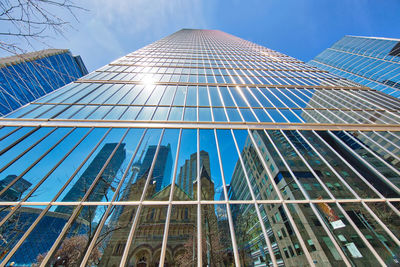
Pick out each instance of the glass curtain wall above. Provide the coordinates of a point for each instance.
(370, 61)
(26, 77)
(202, 149)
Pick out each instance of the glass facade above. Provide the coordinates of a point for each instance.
(370, 61)
(202, 149)
(26, 77)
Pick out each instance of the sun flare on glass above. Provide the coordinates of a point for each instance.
(148, 80)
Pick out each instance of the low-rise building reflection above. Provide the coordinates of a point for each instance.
(182, 231)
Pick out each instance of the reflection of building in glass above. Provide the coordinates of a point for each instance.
(104, 183)
(182, 226)
(310, 160)
(371, 61)
(380, 143)
(162, 168)
(320, 98)
(52, 223)
(275, 218)
(188, 171)
(26, 77)
(14, 193)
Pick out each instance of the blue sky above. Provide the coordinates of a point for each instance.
(299, 28)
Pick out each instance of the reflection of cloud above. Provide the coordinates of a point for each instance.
(221, 212)
(219, 189)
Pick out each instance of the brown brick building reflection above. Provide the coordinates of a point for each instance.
(182, 234)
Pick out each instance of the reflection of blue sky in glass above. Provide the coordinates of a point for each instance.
(207, 144)
(170, 140)
(187, 164)
(228, 156)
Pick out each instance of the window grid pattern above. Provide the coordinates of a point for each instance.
(264, 161)
(27, 77)
(372, 62)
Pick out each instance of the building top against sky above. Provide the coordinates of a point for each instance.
(246, 75)
(379, 38)
(299, 31)
(221, 152)
(32, 56)
(16, 59)
(371, 61)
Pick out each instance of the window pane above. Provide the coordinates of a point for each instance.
(186, 175)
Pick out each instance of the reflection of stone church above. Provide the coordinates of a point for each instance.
(147, 241)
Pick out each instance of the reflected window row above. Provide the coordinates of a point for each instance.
(194, 68)
(177, 50)
(223, 79)
(203, 114)
(215, 64)
(211, 63)
(217, 96)
(225, 57)
(219, 71)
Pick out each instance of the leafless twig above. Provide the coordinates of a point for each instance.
(27, 21)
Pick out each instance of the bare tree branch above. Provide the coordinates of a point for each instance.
(27, 21)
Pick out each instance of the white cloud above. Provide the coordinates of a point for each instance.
(111, 29)
(150, 17)
(139, 22)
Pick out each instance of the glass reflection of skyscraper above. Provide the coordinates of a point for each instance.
(188, 171)
(229, 153)
(162, 167)
(82, 185)
(15, 192)
(182, 226)
(275, 217)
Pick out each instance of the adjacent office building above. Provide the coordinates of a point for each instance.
(26, 77)
(370, 61)
(228, 154)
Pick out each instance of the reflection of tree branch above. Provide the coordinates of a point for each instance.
(103, 236)
(71, 252)
(12, 230)
(89, 218)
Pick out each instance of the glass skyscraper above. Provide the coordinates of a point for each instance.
(202, 149)
(370, 61)
(26, 77)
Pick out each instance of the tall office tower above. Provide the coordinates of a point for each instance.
(162, 167)
(370, 61)
(188, 171)
(26, 77)
(291, 165)
(104, 184)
